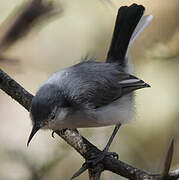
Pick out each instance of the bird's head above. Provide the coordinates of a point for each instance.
(45, 108)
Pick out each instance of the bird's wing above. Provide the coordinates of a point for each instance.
(99, 84)
(105, 93)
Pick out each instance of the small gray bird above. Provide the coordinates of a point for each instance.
(91, 93)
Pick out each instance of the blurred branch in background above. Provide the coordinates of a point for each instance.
(24, 18)
(37, 172)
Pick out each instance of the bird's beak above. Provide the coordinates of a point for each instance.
(33, 132)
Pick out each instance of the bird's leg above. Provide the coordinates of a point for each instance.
(106, 149)
(97, 158)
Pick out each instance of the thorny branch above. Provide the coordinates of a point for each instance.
(17, 30)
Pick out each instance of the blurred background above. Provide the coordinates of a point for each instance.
(85, 28)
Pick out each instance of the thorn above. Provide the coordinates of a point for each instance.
(53, 134)
(168, 159)
(83, 168)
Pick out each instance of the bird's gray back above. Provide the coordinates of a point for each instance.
(89, 83)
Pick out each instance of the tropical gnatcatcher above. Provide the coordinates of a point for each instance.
(91, 93)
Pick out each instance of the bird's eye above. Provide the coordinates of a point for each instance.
(53, 116)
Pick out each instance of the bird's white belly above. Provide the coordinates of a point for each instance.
(120, 111)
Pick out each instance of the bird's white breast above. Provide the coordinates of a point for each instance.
(120, 111)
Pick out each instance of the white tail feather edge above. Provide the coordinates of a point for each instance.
(145, 20)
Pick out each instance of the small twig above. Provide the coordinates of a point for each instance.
(80, 171)
(168, 159)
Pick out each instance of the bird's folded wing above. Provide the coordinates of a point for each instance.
(111, 88)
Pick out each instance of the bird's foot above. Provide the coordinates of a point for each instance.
(97, 158)
(93, 161)
(62, 131)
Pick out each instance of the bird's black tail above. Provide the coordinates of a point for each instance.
(126, 22)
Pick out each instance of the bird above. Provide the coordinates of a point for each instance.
(93, 93)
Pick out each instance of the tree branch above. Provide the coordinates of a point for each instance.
(79, 143)
(15, 90)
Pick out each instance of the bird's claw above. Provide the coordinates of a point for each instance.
(53, 132)
(93, 161)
